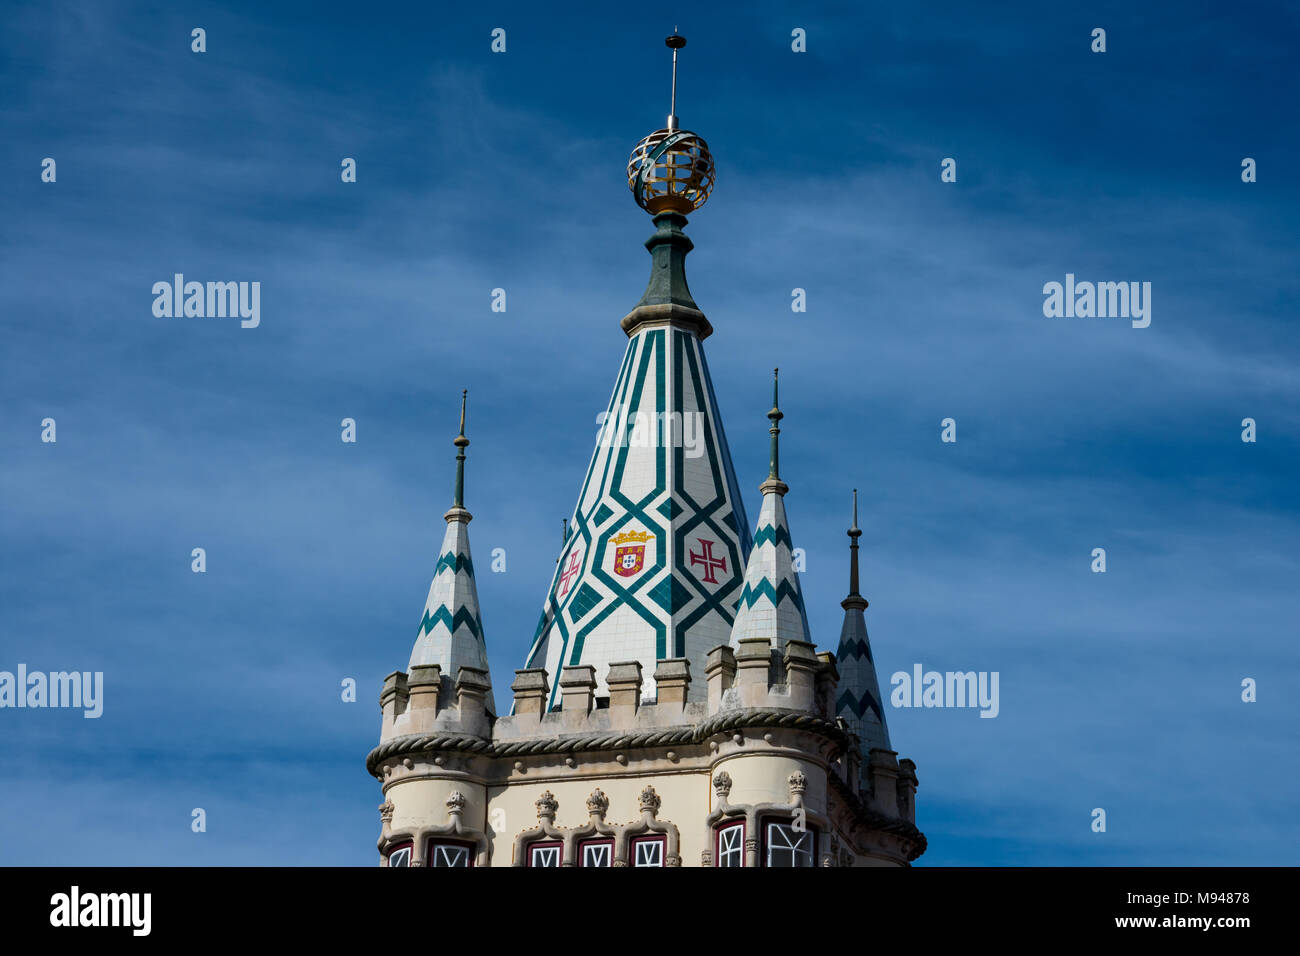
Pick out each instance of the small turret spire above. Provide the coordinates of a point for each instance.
(858, 700)
(451, 630)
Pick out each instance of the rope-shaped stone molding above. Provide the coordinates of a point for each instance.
(467, 743)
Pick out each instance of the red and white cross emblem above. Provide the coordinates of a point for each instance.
(708, 560)
(570, 571)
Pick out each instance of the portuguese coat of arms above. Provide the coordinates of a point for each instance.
(629, 558)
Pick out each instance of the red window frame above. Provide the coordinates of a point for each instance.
(404, 845)
(582, 844)
(658, 838)
(436, 842)
(717, 841)
(539, 845)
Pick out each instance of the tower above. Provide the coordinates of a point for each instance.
(672, 682)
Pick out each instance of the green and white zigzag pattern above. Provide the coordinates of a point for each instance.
(451, 631)
(858, 696)
(771, 603)
(689, 506)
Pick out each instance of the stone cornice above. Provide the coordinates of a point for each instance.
(452, 742)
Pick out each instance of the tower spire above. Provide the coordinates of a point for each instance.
(670, 173)
(675, 43)
(451, 629)
(859, 701)
(771, 604)
(854, 600)
(774, 482)
(461, 443)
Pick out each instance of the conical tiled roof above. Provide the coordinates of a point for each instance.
(451, 630)
(771, 602)
(652, 565)
(859, 701)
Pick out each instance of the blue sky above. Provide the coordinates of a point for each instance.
(478, 171)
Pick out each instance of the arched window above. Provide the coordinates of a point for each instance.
(729, 844)
(399, 854)
(648, 850)
(596, 853)
(787, 844)
(450, 853)
(545, 853)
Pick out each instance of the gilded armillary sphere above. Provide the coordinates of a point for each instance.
(671, 170)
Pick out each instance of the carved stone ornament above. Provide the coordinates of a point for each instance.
(650, 800)
(386, 811)
(597, 803)
(722, 783)
(547, 805)
(798, 782)
(456, 801)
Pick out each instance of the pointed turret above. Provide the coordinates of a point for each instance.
(859, 700)
(451, 631)
(771, 604)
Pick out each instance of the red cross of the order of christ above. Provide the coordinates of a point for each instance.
(570, 572)
(708, 560)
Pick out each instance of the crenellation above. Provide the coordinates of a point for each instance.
(672, 684)
(424, 683)
(624, 682)
(753, 670)
(393, 700)
(577, 694)
(531, 688)
(720, 672)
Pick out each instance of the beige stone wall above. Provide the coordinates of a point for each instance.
(685, 796)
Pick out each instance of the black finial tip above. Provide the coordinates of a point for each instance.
(676, 41)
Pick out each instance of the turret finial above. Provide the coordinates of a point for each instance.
(775, 416)
(854, 599)
(774, 482)
(461, 443)
(674, 43)
(671, 170)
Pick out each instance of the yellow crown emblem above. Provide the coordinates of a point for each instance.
(627, 536)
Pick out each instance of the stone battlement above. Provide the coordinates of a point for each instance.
(797, 679)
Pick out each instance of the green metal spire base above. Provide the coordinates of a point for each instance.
(667, 299)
